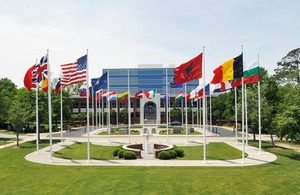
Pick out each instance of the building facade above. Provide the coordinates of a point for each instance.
(144, 110)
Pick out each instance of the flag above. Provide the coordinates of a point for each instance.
(28, 83)
(57, 87)
(251, 75)
(189, 71)
(179, 96)
(39, 69)
(73, 73)
(100, 83)
(150, 94)
(223, 86)
(44, 81)
(82, 91)
(92, 94)
(123, 96)
(200, 92)
(166, 96)
(112, 96)
(229, 70)
(172, 84)
(139, 94)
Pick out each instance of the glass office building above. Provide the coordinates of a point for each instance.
(144, 77)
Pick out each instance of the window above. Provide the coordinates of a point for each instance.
(138, 104)
(131, 104)
(137, 114)
(113, 105)
(122, 104)
(83, 105)
(75, 105)
(131, 114)
(90, 105)
(162, 114)
(162, 104)
(104, 105)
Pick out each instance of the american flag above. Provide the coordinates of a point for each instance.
(74, 72)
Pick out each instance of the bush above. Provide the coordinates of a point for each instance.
(116, 150)
(121, 153)
(164, 155)
(129, 155)
(179, 151)
(172, 153)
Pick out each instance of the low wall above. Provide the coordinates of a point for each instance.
(134, 148)
(161, 147)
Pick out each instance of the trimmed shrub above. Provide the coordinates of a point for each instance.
(116, 150)
(164, 155)
(121, 153)
(129, 155)
(172, 153)
(179, 151)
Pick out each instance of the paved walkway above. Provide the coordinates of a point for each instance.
(254, 158)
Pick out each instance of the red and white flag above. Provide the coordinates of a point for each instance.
(73, 73)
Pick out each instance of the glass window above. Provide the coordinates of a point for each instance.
(122, 104)
(131, 104)
(162, 104)
(113, 105)
(162, 114)
(138, 104)
(75, 105)
(82, 105)
(137, 114)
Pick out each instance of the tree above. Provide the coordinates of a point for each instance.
(8, 90)
(287, 71)
(176, 114)
(19, 113)
(124, 115)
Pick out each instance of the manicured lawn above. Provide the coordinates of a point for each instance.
(79, 151)
(117, 133)
(8, 140)
(183, 132)
(18, 176)
(214, 151)
(10, 132)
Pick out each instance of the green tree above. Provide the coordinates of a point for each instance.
(124, 116)
(287, 71)
(8, 91)
(19, 113)
(175, 114)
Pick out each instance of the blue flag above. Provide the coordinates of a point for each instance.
(166, 96)
(100, 83)
(172, 84)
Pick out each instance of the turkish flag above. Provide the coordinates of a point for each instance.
(189, 71)
(28, 79)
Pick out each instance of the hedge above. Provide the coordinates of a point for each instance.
(129, 155)
(164, 155)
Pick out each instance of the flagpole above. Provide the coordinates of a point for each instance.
(181, 111)
(129, 107)
(197, 113)
(210, 118)
(61, 114)
(49, 106)
(246, 115)
(236, 128)
(108, 107)
(117, 117)
(200, 113)
(99, 110)
(192, 106)
(204, 111)
(259, 110)
(37, 114)
(88, 108)
(92, 108)
(96, 109)
(167, 110)
(243, 119)
(102, 111)
(186, 118)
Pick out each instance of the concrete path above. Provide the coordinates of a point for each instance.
(253, 157)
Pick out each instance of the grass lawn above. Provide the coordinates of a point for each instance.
(183, 132)
(214, 151)
(117, 133)
(19, 176)
(8, 140)
(10, 132)
(79, 149)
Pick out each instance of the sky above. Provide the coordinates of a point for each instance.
(124, 33)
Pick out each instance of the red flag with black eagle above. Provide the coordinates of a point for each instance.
(189, 71)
